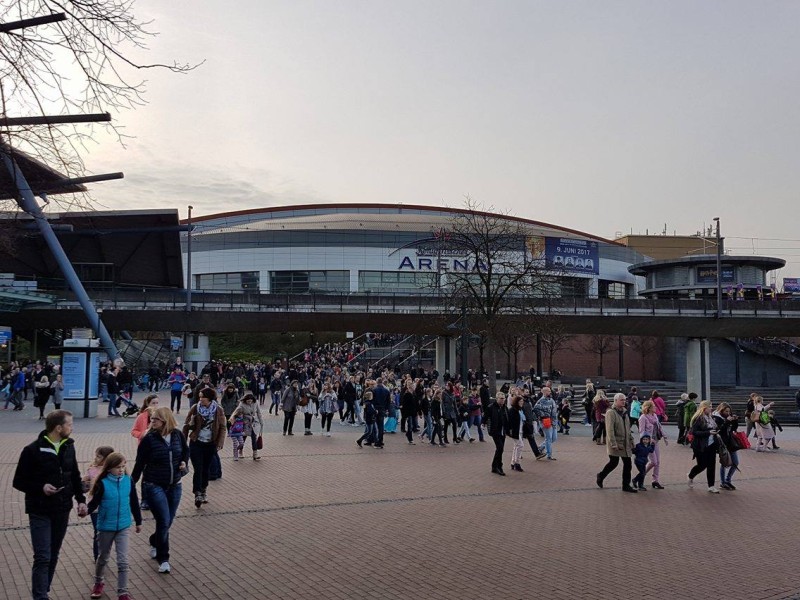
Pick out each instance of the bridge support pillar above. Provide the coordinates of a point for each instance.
(196, 351)
(698, 368)
(445, 356)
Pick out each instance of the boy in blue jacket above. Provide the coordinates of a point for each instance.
(641, 453)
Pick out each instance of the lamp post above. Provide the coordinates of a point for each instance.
(189, 261)
(719, 271)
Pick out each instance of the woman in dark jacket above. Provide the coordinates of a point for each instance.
(408, 408)
(161, 462)
(497, 426)
(436, 418)
(704, 445)
(727, 424)
(449, 413)
(516, 420)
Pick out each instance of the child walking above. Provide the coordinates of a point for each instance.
(114, 498)
(236, 433)
(87, 482)
(641, 454)
(370, 425)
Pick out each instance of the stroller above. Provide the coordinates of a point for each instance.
(131, 410)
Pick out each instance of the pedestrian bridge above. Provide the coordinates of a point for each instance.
(166, 310)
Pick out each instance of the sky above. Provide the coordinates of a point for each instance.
(607, 117)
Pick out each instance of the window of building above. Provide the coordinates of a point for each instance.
(247, 281)
(611, 289)
(305, 282)
(395, 281)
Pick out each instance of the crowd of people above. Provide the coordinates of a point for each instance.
(326, 385)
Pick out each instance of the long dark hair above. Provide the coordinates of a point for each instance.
(112, 461)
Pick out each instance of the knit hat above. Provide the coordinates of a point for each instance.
(643, 436)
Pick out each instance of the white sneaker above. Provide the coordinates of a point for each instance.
(690, 481)
(328, 434)
(713, 490)
(164, 567)
(153, 551)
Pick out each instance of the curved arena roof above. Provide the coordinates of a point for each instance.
(350, 216)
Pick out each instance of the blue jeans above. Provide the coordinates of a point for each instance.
(163, 505)
(476, 420)
(47, 534)
(428, 427)
(730, 470)
(549, 439)
(112, 405)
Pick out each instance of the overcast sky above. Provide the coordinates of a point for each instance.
(605, 116)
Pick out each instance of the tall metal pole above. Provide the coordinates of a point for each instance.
(27, 201)
(464, 346)
(189, 262)
(719, 271)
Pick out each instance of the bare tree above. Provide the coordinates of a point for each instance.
(646, 346)
(513, 340)
(600, 345)
(497, 274)
(554, 340)
(80, 65)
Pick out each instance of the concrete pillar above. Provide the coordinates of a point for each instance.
(698, 368)
(196, 351)
(445, 355)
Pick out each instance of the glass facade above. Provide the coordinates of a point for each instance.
(611, 289)
(395, 281)
(304, 282)
(247, 281)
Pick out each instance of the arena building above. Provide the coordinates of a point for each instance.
(374, 248)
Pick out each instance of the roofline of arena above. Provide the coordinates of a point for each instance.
(275, 209)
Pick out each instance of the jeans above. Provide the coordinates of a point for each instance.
(276, 400)
(726, 473)
(379, 423)
(428, 431)
(120, 539)
(638, 481)
(163, 505)
(370, 433)
(112, 405)
(201, 453)
(47, 534)
(476, 420)
(612, 463)
(464, 430)
(499, 444)
(549, 439)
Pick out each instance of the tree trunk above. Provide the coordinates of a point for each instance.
(600, 367)
(492, 366)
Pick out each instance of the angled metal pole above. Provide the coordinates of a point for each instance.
(719, 271)
(27, 202)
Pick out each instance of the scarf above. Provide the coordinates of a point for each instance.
(207, 412)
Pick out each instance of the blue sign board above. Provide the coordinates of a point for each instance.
(709, 275)
(791, 285)
(94, 372)
(5, 336)
(572, 255)
(73, 373)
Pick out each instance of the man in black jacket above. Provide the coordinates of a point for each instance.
(497, 426)
(380, 400)
(48, 475)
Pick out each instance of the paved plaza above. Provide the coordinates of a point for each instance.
(319, 518)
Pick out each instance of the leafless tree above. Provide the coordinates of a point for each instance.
(500, 274)
(513, 340)
(645, 346)
(600, 345)
(84, 64)
(554, 340)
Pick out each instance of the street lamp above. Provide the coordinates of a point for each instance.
(719, 271)
(189, 261)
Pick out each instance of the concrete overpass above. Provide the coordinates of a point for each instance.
(164, 310)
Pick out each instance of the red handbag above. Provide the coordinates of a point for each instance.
(741, 437)
(547, 422)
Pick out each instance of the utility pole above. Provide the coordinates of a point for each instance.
(464, 346)
(719, 271)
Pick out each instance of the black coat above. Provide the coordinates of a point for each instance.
(408, 404)
(497, 419)
(40, 464)
(158, 462)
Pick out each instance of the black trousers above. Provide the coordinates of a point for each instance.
(379, 423)
(288, 421)
(681, 433)
(612, 463)
(534, 445)
(706, 461)
(327, 418)
(499, 444)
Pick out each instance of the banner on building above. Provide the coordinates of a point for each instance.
(572, 255)
(709, 275)
(791, 285)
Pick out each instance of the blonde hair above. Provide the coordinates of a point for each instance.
(165, 414)
(701, 409)
(600, 395)
(648, 406)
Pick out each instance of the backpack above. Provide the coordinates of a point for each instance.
(763, 417)
(238, 427)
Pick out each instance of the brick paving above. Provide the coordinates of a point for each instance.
(317, 517)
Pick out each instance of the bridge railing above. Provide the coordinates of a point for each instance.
(175, 299)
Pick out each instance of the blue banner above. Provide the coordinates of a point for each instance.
(572, 255)
(709, 275)
(791, 285)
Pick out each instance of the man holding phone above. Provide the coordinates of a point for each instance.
(48, 475)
